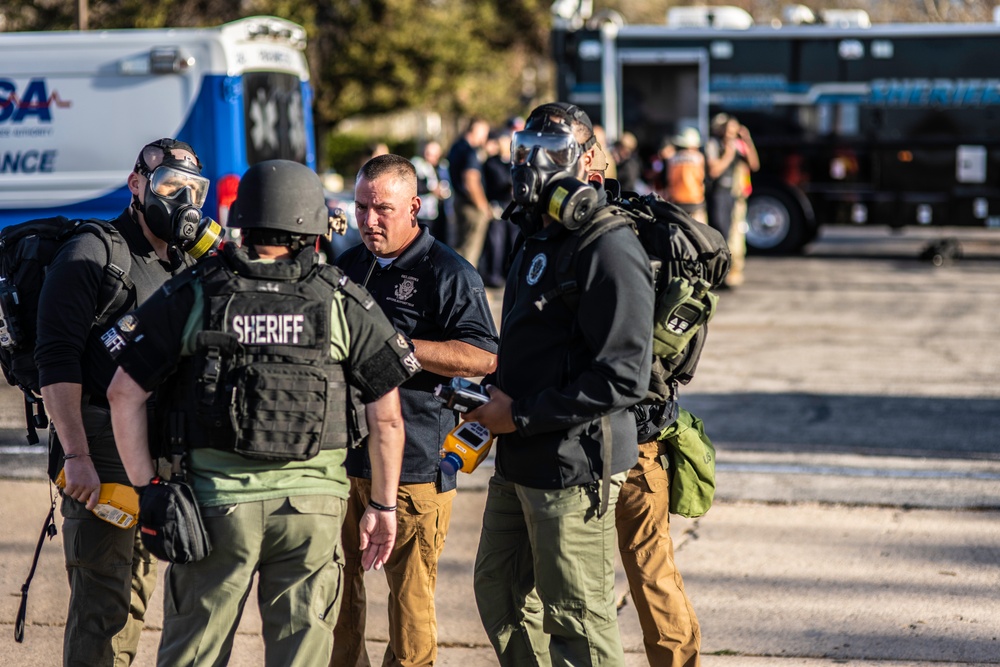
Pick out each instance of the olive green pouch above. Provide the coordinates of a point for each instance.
(691, 466)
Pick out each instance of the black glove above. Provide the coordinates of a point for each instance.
(170, 523)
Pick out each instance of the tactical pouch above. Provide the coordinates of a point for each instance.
(170, 522)
(220, 353)
(681, 310)
(280, 411)
(691, 466)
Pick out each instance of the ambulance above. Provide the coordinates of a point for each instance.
(76, 107)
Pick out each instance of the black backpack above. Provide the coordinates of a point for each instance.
(689, 259)
(26, 249)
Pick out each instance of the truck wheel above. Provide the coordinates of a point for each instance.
(775, 223)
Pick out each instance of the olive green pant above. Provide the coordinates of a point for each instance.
(670, 631)
(111, 579)
(292, 545)
(422, 520)
(545, 577)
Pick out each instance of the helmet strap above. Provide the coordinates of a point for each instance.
(276, 237)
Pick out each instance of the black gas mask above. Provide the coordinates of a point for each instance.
(175, 193)
(544, 162)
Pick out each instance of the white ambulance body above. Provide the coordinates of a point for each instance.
(76, 107)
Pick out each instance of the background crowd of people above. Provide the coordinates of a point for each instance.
(710, 179)
(465, 190)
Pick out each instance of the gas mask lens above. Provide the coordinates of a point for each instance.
(168, 182)
(560, 149)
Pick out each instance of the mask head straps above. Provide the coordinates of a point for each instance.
(556, 117)
(167, 146)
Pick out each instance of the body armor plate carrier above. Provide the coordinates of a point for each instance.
(261, 381)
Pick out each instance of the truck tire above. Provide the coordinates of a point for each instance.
(775, 223)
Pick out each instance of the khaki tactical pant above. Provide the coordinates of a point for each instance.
(292, 545)
(471, 225)
(737, 242)
(422, 520)
(111, 579)
(670, 631)
(544, 577)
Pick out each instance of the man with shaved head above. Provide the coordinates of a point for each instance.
(436, 298)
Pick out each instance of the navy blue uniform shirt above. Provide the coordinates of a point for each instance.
(461, 158)
(429, 292)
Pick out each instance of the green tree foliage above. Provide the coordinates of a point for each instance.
(112, 14)
(455, 57)
(451, 56)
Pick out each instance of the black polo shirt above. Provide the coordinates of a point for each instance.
(429, 292)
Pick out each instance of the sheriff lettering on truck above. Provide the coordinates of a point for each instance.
(855, 122)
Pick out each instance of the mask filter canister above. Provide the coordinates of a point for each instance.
(571, 202)
(197, 235)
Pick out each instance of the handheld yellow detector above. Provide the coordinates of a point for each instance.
(465, 447)
(118, 504)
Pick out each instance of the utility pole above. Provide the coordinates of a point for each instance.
(81, 12)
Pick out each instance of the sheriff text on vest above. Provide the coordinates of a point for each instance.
(268, 329)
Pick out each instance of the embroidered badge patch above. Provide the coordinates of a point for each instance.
(128, 323)
(406, 289)
(537, 268)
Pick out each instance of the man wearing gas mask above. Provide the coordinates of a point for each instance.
(571, 361)
(111, 575)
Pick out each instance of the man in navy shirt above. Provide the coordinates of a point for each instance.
(472, 209)
(437, 299)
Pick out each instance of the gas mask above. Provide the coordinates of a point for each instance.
(539, 157)
(544, 159)
(175, 193)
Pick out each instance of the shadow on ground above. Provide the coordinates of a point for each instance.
(874, 425)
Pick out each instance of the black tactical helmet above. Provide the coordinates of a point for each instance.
(280, 195)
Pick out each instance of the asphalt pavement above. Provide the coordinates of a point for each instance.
(852, 395)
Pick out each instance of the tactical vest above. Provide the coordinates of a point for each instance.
(261, 381)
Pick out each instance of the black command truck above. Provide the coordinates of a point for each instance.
(895, 124)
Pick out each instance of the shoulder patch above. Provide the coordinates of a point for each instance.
(403, 350)
(120, 334)
(537, 268)
(128, 323)
(411, 364)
